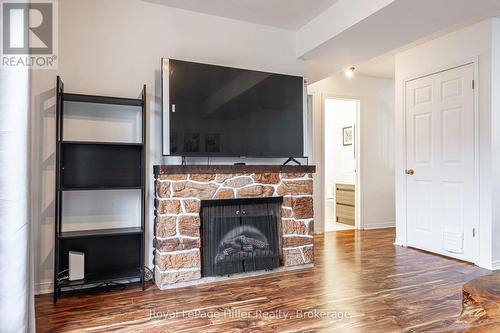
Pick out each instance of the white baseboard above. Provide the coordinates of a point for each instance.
(495, 265)
(391, 224)
(46, 287)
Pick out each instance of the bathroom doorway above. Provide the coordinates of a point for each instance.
(340, 144)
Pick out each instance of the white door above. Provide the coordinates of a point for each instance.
(441, 163)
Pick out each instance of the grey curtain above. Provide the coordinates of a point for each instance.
(16, 272)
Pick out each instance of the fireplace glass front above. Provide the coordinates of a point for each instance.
(240, 235)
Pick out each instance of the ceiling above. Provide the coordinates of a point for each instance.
(382, 66)
(286, 14)
(393, 28)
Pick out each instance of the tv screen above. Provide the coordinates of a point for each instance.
(212, 110)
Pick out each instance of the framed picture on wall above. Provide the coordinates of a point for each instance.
(347, 136)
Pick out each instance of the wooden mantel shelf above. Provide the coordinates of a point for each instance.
(211, 169)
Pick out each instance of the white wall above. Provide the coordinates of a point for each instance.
(376, 137)
(112, 47)
(470, 43)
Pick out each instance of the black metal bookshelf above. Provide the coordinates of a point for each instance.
(111, 255)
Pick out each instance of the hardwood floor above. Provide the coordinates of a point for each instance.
(377, 286)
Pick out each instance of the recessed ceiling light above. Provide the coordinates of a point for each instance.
(350, 72)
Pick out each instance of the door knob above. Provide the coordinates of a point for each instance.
(410, 172)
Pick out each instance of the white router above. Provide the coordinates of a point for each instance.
(76, 265)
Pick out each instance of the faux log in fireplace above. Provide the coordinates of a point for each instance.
(240, 235)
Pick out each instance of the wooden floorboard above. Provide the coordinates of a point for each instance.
(361, 275)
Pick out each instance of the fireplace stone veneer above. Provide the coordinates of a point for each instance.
(178, 194)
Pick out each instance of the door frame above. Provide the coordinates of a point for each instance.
(404, 212)
(358, 220)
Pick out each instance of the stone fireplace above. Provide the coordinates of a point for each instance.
(180, 192)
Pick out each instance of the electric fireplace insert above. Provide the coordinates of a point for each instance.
(240, 235)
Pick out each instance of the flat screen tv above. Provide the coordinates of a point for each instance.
(212, 110)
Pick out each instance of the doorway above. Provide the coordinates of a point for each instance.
(340, 163)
